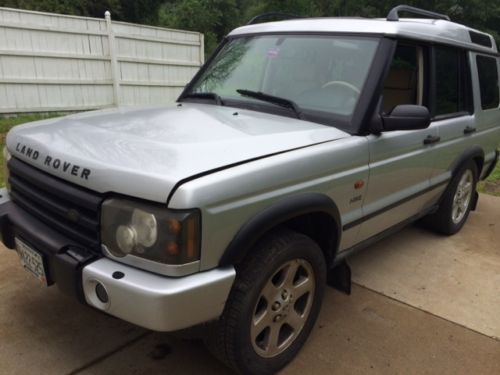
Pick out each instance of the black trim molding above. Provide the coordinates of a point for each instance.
(284, 210)
(361, 220)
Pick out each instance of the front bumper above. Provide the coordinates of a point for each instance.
(152, 301)
(157, 302)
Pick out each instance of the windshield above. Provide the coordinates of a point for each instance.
(320, 74)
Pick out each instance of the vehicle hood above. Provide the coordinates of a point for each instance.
(146, 152)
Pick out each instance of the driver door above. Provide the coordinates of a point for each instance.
(400, 161)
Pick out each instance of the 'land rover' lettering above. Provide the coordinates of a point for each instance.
(28, 151)
(54, 163)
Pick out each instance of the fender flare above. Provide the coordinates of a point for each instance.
(471, 153)
(271, 217)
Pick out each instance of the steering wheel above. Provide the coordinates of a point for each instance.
(343, 84)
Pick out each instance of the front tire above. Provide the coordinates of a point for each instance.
(273, 304)
(457, 202)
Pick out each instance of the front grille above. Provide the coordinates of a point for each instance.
(71, 210)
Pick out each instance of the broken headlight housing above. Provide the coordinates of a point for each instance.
(150, 232)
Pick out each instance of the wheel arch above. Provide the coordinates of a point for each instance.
(313, 214)
(474, 153)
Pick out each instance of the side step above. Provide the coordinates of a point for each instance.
(339, 277)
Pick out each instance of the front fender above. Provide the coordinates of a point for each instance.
(286, 209)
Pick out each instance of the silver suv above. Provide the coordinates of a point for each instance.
(298, 143)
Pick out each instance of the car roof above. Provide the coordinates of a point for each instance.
(429, 30)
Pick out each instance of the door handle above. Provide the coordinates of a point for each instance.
(469, 130)
(431, 139)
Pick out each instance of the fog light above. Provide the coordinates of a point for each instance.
(101, 293)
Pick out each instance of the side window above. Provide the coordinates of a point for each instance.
(453, 91)
(405, 82)
(488, 81)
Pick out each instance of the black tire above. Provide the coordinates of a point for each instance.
(274, 257)
(444, 220)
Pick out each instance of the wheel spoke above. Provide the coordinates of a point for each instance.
(290, 274)
(467, 188)
(304, 286)
(274, 335)
(455, 212)
(269, 292)
(464, 206)
(296, 320)
(261, 323)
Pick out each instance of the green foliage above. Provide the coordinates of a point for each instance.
(143, 11)
(215, 18)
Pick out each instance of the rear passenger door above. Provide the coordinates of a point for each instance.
(400, 164)
(452, 109)
(485, 78)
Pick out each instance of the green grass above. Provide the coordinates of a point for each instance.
(7, 123)
(492, 183)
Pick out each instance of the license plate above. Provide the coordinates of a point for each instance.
(31, 260)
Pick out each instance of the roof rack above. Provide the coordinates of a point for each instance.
(394, 13)
(281, 16)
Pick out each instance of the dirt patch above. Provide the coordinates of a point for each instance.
(491, 187)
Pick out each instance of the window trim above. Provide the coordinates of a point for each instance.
(423, 56)
(469, 91)
(476, 55)
(451, 116)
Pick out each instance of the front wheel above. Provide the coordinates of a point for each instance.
(457, 202)
(273, 305)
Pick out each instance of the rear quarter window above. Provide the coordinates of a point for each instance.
(488, 81)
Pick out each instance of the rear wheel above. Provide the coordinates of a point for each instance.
(457, 202)
(273, 305)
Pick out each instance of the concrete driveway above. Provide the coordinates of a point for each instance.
(421, 304)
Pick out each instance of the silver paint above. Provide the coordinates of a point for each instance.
(429, 30)
(145, 152)
(157, 302)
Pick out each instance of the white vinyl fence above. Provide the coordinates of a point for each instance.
(51, 62)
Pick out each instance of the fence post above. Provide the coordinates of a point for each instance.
(114, 61)
(202, 49)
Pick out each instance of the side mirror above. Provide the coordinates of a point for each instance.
(406, 117)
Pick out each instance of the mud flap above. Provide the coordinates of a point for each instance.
(475, 199)
(339, 277)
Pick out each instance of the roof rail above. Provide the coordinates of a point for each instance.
(394, 13)
(281, 16)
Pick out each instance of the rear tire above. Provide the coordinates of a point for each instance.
(273, 304)
(456, 203)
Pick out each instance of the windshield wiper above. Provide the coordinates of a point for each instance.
(205, 95)
(282, 102)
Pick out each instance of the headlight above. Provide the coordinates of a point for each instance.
(6, 173)
(150, 232)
